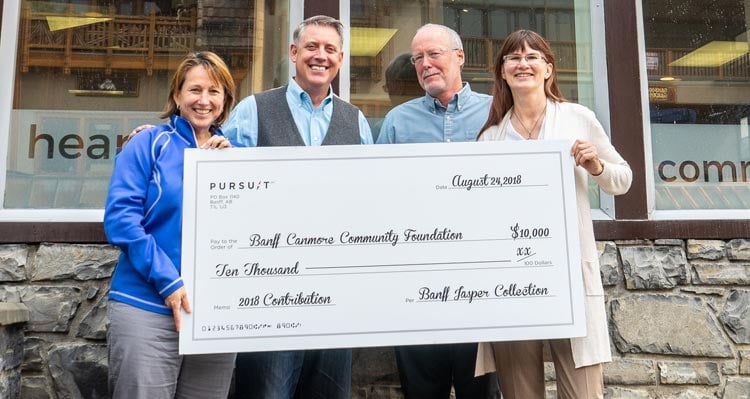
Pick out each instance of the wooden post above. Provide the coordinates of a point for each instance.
(68, 44)
(110, 42)
(151, 44)
(257, 55)
(26, 22)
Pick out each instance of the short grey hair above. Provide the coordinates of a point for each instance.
(457, 43)
(319, 20)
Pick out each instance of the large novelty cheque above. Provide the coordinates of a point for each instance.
(354, 246)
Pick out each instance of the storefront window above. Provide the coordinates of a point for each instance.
(382, 31)
(87, 72)
(698, 71)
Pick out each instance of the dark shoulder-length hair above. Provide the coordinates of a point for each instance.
(217, 71)
(502, 98)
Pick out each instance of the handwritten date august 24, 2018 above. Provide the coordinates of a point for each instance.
(460, 181)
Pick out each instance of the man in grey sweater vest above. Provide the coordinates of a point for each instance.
(304, 112)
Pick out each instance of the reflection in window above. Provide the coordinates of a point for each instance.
(698, 70)
(92, 70)
(482, 26)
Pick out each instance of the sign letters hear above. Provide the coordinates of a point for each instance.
(73, 146)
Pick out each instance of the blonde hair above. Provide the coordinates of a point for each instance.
(217, 71)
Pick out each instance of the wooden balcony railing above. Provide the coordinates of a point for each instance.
(107, 41)
(480, 55)
(658, 62)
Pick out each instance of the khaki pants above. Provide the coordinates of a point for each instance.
(520, 369)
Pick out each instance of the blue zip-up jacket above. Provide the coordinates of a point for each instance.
(143, 215)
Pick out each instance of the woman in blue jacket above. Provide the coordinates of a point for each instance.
(143, 217)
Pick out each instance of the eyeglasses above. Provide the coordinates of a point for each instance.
(531, 59)
(432, 54)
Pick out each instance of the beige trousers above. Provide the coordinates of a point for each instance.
(520, 369)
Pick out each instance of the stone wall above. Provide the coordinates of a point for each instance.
(679, 314)
(679, 318)
(64, 287)
(13, 316)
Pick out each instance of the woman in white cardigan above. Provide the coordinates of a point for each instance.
(528, 105)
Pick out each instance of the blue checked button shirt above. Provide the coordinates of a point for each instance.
(426, 120)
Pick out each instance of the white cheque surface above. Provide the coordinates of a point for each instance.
(354, 246)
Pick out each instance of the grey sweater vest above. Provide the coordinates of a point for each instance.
(276, 125)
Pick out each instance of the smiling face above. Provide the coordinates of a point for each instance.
(200, 99)
(317, 58)
(439, 76)
(524, 75)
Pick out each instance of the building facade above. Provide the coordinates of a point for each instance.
(669, 80)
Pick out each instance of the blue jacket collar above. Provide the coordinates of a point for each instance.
(185, 130)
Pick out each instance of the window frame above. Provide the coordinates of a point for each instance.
(18, 218)
(635, 215)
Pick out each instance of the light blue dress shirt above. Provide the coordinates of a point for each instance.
(312, 123)
(426, 120)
